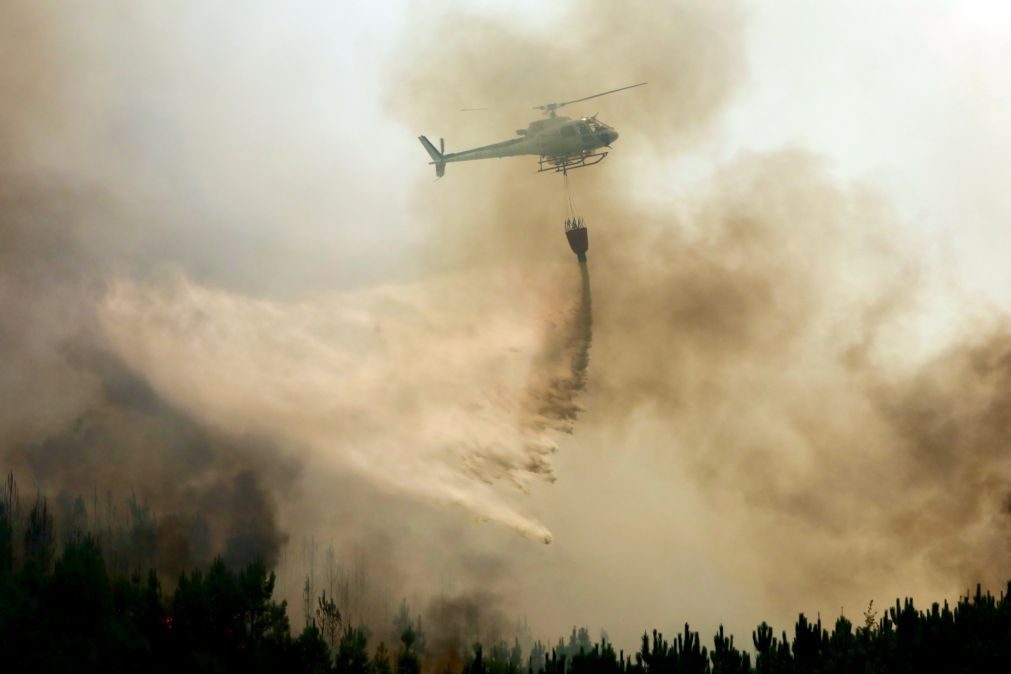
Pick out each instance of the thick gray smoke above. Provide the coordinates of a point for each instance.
(391, 381)
(200, 306)
(457, 623)
(87, 195)
(77, 422)
(763, 325)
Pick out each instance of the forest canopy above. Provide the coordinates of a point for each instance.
(64, 607)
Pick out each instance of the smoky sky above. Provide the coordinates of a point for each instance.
(761, 322)
(202, 306)
(128, 207)
(77, 421)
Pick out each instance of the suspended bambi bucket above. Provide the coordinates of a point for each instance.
(578, 236)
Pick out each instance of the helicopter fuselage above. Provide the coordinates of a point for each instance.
(559, 141)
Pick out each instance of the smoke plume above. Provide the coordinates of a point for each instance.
(457, 623)
(206, 302)
(767, 319)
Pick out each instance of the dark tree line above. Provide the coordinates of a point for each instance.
(974, 636)
(67, 609)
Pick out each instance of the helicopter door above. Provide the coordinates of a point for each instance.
(570, 139)
(586, 134)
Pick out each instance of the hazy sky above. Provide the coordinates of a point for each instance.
(798, 251)
(901, 93)
(907, 96)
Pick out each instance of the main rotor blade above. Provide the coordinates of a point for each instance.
(555, 106)
(473, 109)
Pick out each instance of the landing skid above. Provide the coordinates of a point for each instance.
(564, 164)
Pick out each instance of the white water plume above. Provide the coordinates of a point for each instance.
(422, 388)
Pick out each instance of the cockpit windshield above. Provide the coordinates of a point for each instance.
(595, 124)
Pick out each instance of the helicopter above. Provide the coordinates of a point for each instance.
(562, 144)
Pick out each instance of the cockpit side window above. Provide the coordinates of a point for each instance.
(568, 131)
(584, 130)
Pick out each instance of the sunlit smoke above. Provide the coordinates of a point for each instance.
(755, 332)
(395, 382)
(763, 322)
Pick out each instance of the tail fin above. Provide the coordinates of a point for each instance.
(437, 157)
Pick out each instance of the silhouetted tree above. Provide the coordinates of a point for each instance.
(8, 514)
(329, 619)
(74, 610)
(726, 658)
(381, 660)
(39, 535)
(408, 661)
(536, 660)
(476, 664)
(403, 621)
(808, 644)
(309, 652)
(352, 652)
